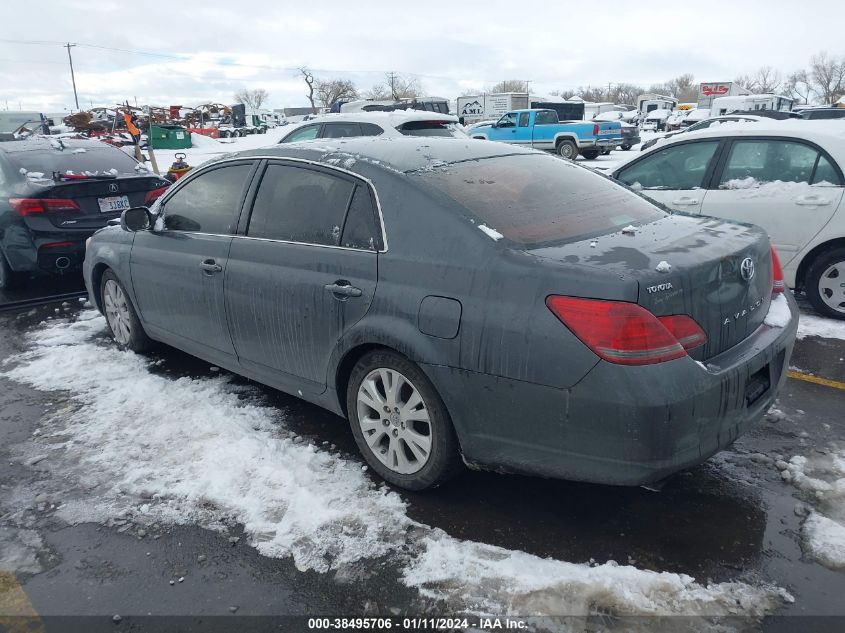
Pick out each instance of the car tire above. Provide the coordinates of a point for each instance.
(626, 147)
(825, 283)
(9, 279)
(568, 150)
(121, 318)
(590, 154)
(392, 433)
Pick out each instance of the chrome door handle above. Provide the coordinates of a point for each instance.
(685, 200)
(343, 289)
(209, 266)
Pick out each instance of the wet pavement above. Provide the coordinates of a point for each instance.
(733, 517)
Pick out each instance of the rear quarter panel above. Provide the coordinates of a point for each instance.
(109, 247)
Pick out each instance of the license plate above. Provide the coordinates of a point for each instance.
(114, 203)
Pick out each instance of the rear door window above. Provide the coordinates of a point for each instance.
(371, 129)
(536, 200)
(341, 130)
(208, 203)
(298, 204)
(758, 161)
(362, 228)
(429, 128)
(826, 173)
(676, 167)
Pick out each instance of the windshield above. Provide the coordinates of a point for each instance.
(537, 200)
(92, 159)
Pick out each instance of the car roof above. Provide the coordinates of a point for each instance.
(398, 154)
(393, 118)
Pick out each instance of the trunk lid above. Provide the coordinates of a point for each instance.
(99, 199)
(709, 276)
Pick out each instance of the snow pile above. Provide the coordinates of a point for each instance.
(809, 325)
(822, 478)
(79, 150)
(753, 188)
(778, 314)
(201, 140)
(493, 233)
(663, 267)
(630, 229)
(202, 451)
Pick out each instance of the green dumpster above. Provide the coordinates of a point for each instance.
(170, 137)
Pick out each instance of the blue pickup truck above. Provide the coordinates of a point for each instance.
(541, 129)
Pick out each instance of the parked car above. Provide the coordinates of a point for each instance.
(822, 113)
(54, 193)
(541, 129)
(459, 301)
(702, 125)
(695, 116)
(674, 120)
(655, 121)
(785, 176)
(397, 123)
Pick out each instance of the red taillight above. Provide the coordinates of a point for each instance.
(28, 206)
(778, 284)
(154, 195)
(595, 129)
(687, 332)
(626, 333)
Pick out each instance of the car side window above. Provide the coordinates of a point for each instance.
(826, 173)
(362, 229)
(523, 119)
(752, 162)
(308, 133)
(341, 130)
(297, 204)
(371, 129)
(677, 167)
(208, 203)
(508, 120)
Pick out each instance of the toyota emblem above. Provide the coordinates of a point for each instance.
(746, 269)
(113, 188)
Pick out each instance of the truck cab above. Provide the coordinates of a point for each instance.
(540, 128)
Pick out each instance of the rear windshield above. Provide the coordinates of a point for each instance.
(75, 159)
(429, 128)
(536, 200)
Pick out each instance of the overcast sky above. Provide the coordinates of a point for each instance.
(210, 48)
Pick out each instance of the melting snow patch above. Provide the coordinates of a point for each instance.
(200, 451)
(79, 150)
(809, 325)
(778, 314)
(663, 267)
(493, 233)
(630, 229)
(824, 540)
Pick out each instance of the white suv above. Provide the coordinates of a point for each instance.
(785, 176)
(397, 123)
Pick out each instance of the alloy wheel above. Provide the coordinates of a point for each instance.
(117, 312)
(394, 421)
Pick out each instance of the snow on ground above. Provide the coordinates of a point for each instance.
(205, 451)
(821, 479)
(809, 325)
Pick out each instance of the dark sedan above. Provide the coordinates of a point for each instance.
(54, 193)
(460, 302)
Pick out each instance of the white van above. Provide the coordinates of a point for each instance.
(726, 105)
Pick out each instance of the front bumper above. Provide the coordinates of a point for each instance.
(618, 425)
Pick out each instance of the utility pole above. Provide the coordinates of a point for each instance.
(68, 46)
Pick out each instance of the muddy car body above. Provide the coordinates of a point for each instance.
(500, 286)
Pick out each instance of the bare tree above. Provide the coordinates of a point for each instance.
(308, 76)
(827, 77)
(624, 93)
(797, 86)
(402, 87)
(683, 88)
(764, 80)
(509, 85)
(334, 90)
(252, 99)
(379, 92)
(564, 94)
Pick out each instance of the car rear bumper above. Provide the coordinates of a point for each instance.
(45, 253)
(609, 142)
(619, 425)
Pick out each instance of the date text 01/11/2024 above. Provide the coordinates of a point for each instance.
(415, 624)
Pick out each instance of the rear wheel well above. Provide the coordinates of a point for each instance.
(811, 256)
(562, 139)
(344, 369)
(97, 278)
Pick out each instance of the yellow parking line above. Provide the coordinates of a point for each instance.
(17, 615)
(827, 382)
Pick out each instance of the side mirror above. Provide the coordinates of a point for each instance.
(136, 219)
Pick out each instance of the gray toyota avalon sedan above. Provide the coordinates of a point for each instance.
(460, 302)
